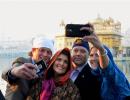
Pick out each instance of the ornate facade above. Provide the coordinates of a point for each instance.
(109, 33)
(108, 30)
(62, 41)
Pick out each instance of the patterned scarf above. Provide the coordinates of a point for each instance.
(49, 83)
(35, 89)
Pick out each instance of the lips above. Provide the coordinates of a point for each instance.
(60, 68)
(77, 59)
(94, 63)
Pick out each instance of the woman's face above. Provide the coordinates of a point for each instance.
(61, 64)
(94, 58)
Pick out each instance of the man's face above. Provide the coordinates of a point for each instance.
(94, 58)
(79, 55)
(41, 54)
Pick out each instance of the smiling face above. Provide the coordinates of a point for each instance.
(61, 64)
(79, 55)
(41, 54)
(94, 57)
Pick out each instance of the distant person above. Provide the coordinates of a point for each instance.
(88, 83)
(22, 76)
(115, 85)
(57, 84)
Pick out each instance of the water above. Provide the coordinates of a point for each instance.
(124, 66)
(5, 62)
(6, 59)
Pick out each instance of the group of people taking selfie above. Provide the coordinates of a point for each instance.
(79, 73)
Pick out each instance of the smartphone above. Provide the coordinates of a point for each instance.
(40, 68)
(73, 30)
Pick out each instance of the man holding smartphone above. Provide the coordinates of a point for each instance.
(89, 84)
(22, 76)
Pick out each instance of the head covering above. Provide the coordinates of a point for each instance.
(80, 42)
(49, 83)
(49, 72)
(39, 42)
(116, 87)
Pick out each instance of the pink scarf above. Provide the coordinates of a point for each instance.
(47, 89)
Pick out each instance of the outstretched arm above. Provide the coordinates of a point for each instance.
(94, 40)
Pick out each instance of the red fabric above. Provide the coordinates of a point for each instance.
(65, 77)
(49, 83)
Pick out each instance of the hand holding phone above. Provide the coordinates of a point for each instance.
(40, 68)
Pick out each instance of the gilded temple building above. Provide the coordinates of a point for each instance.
(108, 30)
(61, 41)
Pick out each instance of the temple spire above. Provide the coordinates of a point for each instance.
(62, 23)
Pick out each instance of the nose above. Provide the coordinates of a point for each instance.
(94, 57)
(45, 56)
(78, 53)
(61, 63)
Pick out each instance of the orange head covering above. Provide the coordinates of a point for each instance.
(50, 72)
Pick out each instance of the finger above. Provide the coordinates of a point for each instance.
(87, 28)
(31, 72)
(91, 30)
(36, 67)
(84, 28)
(87, 38)
(29, 65)
(26, 75)
(34, 72)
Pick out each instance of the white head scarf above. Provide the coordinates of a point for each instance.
(39, 42)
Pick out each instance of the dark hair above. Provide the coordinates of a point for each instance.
(30, 53)
(92, 48)
(69, 58)
(50, 72)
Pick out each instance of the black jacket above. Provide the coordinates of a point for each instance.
(88, 84)
(1, 96)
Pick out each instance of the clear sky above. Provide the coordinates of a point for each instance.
(26, 18)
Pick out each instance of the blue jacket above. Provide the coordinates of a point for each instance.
(115, 85)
